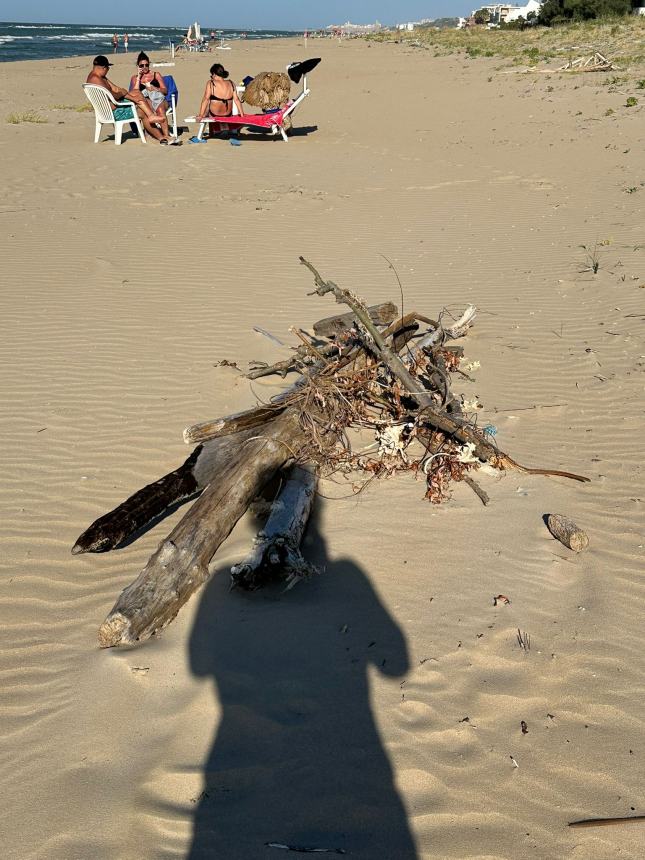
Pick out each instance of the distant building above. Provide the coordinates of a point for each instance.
(355, 29)
(504, 13)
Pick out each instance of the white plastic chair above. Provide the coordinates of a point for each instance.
(102, 101)
(172, 111)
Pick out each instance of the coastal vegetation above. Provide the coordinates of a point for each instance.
(26, 116)
(86, 108)
(622, 39)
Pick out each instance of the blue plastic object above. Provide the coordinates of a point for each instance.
(171, 86)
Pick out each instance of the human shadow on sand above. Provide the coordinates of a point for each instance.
(297, 759)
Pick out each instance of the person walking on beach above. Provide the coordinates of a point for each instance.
(126, 41)
(149, 118)
(115, 42)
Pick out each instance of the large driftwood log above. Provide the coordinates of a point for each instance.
(180, 565)
(276, 548)
(156, 499)
(567, 532)
(333, 326)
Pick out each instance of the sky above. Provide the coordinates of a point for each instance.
(249, 15)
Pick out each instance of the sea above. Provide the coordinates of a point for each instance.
(45, 41)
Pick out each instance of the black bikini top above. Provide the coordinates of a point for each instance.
(152, 83)
(215, 98)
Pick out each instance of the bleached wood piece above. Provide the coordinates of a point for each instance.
(567, 532)
(276, 548)
(180, 565)
(457, 329)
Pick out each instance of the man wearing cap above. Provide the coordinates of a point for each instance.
(98, 76)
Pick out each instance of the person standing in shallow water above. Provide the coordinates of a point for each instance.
(115, 43)
(126, 42)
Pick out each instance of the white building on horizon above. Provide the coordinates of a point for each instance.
(504, 13)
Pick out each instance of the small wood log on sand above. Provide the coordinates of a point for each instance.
(567, 532)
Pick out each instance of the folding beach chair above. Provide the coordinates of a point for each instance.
(274, 121)
(125, 113)
(172, 97)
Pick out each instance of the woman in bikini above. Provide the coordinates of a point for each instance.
(151, 85)
(219, 96)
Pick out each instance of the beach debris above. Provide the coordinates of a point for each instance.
(599, 822)
(595, 62)
(524, 727)
(523, 640)
(363, 372)
(140, 670)
(513, 762)
(501, 598)
(567, 532)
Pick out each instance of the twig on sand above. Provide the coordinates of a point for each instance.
(599, 822)
(524, 640)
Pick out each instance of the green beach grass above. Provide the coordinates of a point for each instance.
(26, 116)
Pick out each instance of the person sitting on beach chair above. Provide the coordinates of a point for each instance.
(151, 121)
(153, 88)
(220, 97)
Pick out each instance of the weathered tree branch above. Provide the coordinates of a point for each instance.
(180, 565)
(154, 500)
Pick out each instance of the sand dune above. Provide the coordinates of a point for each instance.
(128, 273)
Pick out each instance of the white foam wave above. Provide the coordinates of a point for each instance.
(39, 26)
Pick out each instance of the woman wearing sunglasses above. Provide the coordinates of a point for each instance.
(152, 87)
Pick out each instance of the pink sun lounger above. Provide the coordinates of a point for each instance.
(273, 122)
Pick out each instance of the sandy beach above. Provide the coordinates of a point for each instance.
(376, 709)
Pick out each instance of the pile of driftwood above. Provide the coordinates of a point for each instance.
(367, 371)
(595, 62)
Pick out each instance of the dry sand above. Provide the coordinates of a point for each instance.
(375, 710)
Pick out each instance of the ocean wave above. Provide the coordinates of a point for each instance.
(7, 38)
(80, 37)
(38, 26)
